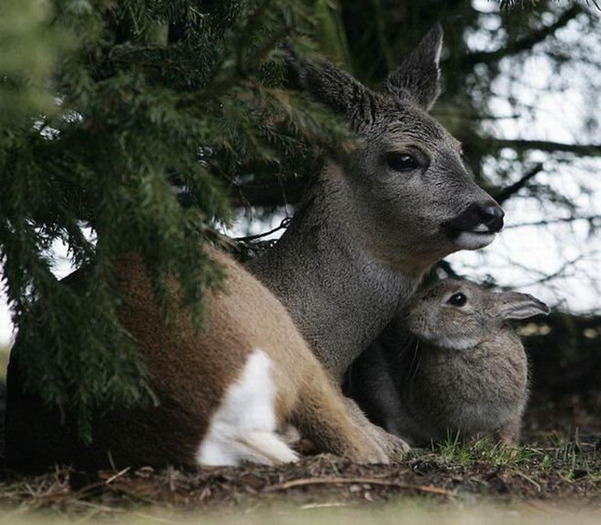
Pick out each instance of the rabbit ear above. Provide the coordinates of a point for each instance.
(514, 305)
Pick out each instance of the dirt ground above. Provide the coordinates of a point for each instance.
(559, 464)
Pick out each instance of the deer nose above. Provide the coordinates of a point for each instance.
(492, 216)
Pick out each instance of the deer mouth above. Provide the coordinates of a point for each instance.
(475, 227)
(469, 239)
(473, 240)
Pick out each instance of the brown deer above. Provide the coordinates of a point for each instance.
(223, 392)
(372, 224)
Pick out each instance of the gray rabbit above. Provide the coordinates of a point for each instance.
(464, 373)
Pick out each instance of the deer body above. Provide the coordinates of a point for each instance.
(224, 391)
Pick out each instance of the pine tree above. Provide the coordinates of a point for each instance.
(117, 107)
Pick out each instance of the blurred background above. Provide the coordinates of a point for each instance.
(522, 92)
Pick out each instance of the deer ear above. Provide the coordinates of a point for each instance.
(338, 90)
(513, 305)
(418, 77)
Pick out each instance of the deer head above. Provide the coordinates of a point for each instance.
(404, 191)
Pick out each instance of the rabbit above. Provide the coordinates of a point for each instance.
(465, 372)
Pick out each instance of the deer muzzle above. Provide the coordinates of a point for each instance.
(476, 226)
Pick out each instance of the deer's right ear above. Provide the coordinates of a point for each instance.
(338, 90)
(418, 77)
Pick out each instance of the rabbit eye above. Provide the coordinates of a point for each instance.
(458, 299)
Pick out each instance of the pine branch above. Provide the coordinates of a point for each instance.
(123, 128)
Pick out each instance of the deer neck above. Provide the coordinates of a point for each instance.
(339, 296)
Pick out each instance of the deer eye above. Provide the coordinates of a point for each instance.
(401, 161)
(458, 299)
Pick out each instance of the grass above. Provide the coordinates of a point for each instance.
(571, 459)
(485, 450)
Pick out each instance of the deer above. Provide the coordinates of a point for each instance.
(373, 222)
(226, 393)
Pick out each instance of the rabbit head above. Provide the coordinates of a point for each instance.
(457, 315)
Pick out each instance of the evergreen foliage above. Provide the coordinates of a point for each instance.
(146, 97)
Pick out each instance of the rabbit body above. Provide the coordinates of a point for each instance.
(450, 367)
(478, 390)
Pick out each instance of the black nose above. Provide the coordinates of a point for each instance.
(492, 216)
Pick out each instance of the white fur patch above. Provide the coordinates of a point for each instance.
(474, 240)
(455, 343)
(449, 343)
(243, 427)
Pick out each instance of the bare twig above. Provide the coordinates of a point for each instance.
(446, 267)
(283, 225)
(117, 475)
(558, 220)
(357, 481)
(593, 150)
(525, 43)
(517, 186)
(550, 276)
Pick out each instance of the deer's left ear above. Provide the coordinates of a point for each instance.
(417, 79)
(338, 90)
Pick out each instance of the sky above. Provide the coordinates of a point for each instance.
(522, 257)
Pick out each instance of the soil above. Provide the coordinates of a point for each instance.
(559, 463)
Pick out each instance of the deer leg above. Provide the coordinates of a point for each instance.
(338, 426)
(394, 447)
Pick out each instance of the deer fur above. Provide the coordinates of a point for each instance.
(465, 373)
(368, 229)
(223, 391)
